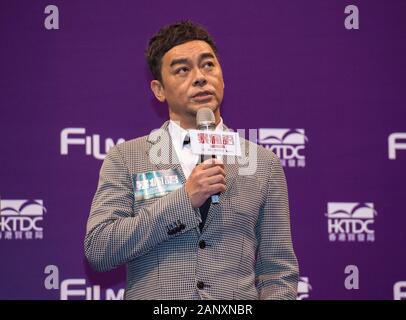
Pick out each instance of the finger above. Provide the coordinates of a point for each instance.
(209, 163)
(217, 170)
(216, 188)
(217, 179)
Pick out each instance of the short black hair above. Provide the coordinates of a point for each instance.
(170, 36)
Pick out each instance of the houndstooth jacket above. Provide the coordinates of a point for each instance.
(243, 252)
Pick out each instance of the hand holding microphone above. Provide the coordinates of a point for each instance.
(208, 178)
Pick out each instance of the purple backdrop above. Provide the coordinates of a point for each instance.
(289, 65)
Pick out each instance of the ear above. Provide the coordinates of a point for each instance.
(158, 90)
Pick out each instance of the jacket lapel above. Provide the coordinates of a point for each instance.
(161, 152)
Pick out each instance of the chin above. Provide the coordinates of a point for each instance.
(193, 109)
(207, 105)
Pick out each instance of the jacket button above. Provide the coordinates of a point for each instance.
(202, 244)
(200, 285)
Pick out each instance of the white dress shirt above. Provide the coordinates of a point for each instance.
(187, 159)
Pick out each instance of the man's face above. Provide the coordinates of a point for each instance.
(191, 79)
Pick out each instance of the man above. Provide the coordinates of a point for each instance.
(152, 207)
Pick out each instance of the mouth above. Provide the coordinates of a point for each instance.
(203, 96)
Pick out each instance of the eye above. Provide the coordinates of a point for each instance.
(208, 64)
(182, 70)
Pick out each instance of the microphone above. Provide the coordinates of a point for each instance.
(205, 120)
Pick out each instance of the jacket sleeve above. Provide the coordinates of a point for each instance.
(276, 267)
(115, 234)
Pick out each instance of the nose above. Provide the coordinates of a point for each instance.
(200, 79)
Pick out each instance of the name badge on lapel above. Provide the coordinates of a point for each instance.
(154, 184)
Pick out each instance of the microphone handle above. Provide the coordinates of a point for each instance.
(215, 198)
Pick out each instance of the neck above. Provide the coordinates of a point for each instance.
(190, 122)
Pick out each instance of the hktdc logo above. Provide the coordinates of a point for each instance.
(21, 219)
(287, 144)
(351, 221)
(303, 288)
(76, 136)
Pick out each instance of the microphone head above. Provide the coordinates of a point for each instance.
(205, 119)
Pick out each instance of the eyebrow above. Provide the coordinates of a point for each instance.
(203, 56)
(206, 55)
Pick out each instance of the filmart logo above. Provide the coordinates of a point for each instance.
(287, 144)
(91, 143)
(78, 288)
(399, 290)
(351, 221)
(21, 219)
(303, 288)
(396, 142)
